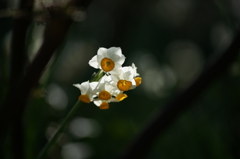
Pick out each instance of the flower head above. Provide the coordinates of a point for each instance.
(111, 81)
(104, 104)
(133, 70)
(123, 79)
(126, 78)
(107, 92)
(88, 91)
(108, 59)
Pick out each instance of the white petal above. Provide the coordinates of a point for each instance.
(128, 76)
(97, 102)
(84, 87)
(115, 58)
(102, 51)
(133, 84)
(101, 86)
(99, 59)
(103, 79)
(93, 85)
(126, 68)
(116, 68)
(115, 78)
(134, 68)
(116, 92)
(77, 85)
(110, 88)
(114, 100)
(115, 53)
(116, 71)
(115, 50)
(108, 79)
(122, 59)
(93, 62)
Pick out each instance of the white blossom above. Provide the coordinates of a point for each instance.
(88, 91)
(108, 59)
(111, 86)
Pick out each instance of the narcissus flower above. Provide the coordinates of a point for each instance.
(88, 91)
(104, 104)
(107, 92)
(133, 69)
(123, 79)
(112, 79)
(108, 59)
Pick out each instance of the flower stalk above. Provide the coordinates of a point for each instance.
(96, 77)
(56, 136)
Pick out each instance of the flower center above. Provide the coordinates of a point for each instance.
(120, 97)
(107, 64)
(84, 98)
(104, 95)
(104, 105)
(124, 85)
(138, 80)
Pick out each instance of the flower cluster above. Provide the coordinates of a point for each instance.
(112, 80)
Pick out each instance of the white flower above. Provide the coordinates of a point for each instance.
(133, 70)
(108, 59)
(124, 79)
(107, 92)
(104, 104)
(111, 83)
(88, 91)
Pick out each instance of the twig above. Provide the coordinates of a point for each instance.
(141, 145)
(18, 62)
(54, 34)
(18, 52)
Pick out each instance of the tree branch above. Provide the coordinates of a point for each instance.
(55, 32)
(142, 144)
(18, 63)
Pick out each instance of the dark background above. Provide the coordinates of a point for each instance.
(170, 41)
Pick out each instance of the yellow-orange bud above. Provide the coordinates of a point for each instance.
(84, 98)
(104, 105)
(138, 80)
(120, 97)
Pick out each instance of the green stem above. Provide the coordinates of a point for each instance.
(69, 116)
(97, 76)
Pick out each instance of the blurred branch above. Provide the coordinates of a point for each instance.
(18, 52)
(17, 63)
(164, 118)
(55, 32)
